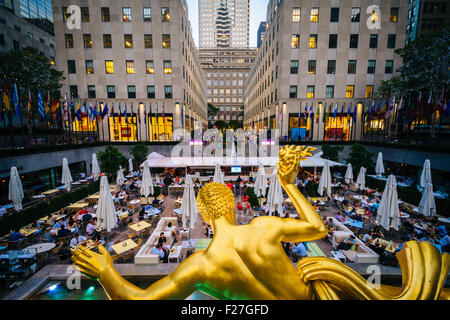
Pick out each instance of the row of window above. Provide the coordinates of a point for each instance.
(334, 15)
(111, 92)
(331, 68)
(126, 14)
(130, 67)
(127, 39)
(333, 41)
(329, 92)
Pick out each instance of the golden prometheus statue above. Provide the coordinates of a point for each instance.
(248, 262)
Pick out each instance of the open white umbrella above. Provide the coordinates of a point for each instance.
(427, 205)
(425, 178)
(260, 182)
(379, 168)
(95, 167)
(189, 209)
(325, 180)
(66, 178)
(388, 215)
(361, 181)
(130, 165)
(120, 177)
(275, 195)
(218, 176)
(15, 189)
(349, 174)
(147, 181)
(106, 213)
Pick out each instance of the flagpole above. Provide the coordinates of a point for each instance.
(21, 121)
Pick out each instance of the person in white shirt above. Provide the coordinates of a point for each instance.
(77, 239)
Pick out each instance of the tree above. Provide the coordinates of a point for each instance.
(212, 110)
(110, 160)
(235, 124)
(221, 125)
(139, 152)
(331, 152)
(30, 69)
(361, 157)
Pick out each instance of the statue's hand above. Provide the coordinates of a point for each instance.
(288, 164)
(91, 263)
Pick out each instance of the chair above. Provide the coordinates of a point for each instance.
(146, 232)
(128, 257)
(139, 243)
(131, 235)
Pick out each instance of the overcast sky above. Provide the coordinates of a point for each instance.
(257, 14)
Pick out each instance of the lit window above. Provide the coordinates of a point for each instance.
(165, 15)
(167, 64)
(89, 67)
(128, 38)
(349, 93)
(295, 41)
(105, 15)
(130, 66)
(107, 41)
(126, 12)
(314, 14)
(69, 41)
(148, 41)
(166, 41)
(312, 66)
(352, 66)
(85, 14)
(109, 66)
(394, 15)
(87, 40)
(313, 41)
(310, 92)
(296, 15)
(150, 68)
(369, 91)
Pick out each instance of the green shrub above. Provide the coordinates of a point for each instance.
(253, 199)
(311, 190)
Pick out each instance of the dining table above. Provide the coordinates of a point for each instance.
(142, 225)
(28, 232)
(390, 246)
(124, 246)
(175, 253)
(40, 248)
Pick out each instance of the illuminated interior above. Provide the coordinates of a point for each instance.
(122, 130)
(338, 129)
(161, 128)
(85, 125)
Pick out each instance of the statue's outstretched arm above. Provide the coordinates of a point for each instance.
(178, 285)
(311, 226)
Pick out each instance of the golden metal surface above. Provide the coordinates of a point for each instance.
(248, 262)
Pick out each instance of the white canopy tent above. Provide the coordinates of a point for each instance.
(349, 174)
(189, 209)
(325, 180)
(388, 215)
(147, 181)
(361, 181)
(427, 205)
(275, 195)
(425, 178)
(106, 213)
(379, 168)
(66, 178)
(260, 182)
(15, 189)
(95, 167)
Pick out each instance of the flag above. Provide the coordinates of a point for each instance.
(311, 112)
(6, 100)
(84, 112)
(120, 114)
(335, 111)
(341, 115)
(41, 105)
(157, 122)
(390, 109)
(372, 110)
(72, 110)
(16, 102)
(66, 108)
(125, 113)
(29, 105)
(355, 112)
(104, 113)
(112, 113)
(79, 118)
(399, 108)
(299, 113)
(317, 114)
(446, 107)
(306, 111)
(54, 109)
(47, 107)
(91, 112)
(139, 115)
(145, 114)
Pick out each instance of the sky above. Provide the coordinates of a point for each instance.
(258, 10)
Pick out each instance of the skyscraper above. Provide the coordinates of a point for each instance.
(224, 23)
(261, 33)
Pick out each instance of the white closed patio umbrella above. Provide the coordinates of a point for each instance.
(66, 178)
(349, 174)
(361, 181)
(379, 168)
(95, 167)
(218, 176)
(130, 165)
(147, 181)
(275, 195)
(120, 177)
(15, 189)
(425, 178)
(106, 213)
(388, 215)
(157, 180)
(189, 209)
(427, 205)
(325, 180)
(260, 182)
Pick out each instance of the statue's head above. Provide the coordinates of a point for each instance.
(214, 201)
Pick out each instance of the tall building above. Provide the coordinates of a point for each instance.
(324, 59)
(139, 55)
(261, 33)
(224, 23)
(226, 71)
(17, 32)
(426, 17)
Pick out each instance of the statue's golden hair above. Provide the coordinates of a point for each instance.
(214, 201)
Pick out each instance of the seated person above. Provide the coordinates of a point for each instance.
(98, 239)
(87, 217)
(173, 230)
(91, 227)
(16, 236)
(47, 236)
(155, 202)
(264, 208)
(77, 239)
(148, 207)
(340, 217)
(59, 224)
(441, 230)
(368, 236)
(162, 239)
(348, 243)
(445, 243)
(162, 252)
(299, 251)
(330, 226)
(142, 214)
(63, 232)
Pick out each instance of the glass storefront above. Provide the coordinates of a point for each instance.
(161, 128)
(300, 128)
(337, 128)
(121, 129)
